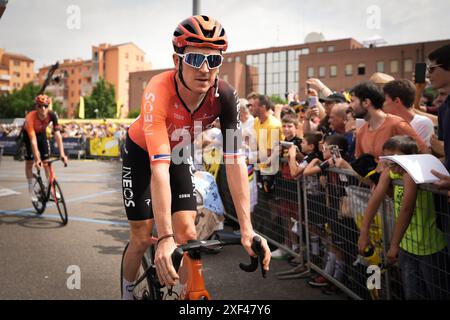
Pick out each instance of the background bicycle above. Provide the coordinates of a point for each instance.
(52, 192)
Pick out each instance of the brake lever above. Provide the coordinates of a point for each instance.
(257, 248)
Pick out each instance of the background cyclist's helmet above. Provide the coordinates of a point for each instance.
(42, 99)
(200, 32)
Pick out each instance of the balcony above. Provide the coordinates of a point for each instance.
(5, 88)
(5, 77)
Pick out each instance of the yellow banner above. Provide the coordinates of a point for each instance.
(81, 108)
(104, 147)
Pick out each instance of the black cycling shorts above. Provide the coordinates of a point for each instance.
(136, 174)
(42, 144)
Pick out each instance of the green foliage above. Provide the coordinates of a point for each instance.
(133, 114)
(277, 100)
(103, 99)
(18, 102)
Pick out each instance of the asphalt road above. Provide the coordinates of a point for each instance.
(38, 254)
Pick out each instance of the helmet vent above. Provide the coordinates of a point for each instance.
(206, 18)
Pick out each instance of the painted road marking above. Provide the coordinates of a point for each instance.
(29, 212)
(7, 192)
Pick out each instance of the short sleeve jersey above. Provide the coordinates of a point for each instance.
(33, 125)
(165, 121)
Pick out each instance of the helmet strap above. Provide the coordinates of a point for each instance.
(180, 74)
(216, 85)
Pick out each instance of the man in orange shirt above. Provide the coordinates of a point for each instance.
(367, 103)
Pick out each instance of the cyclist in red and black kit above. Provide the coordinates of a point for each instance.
(157, 172)
(35, 138)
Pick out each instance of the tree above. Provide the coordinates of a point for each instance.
(102, 99)
(277, 100)
(19, 102)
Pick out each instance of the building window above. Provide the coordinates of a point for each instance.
(408, 65)
(225, 77)
(394, 66)
(142, 58)
(230, 59)
(16, 62)
(79, 81)
(320, 50)
(310, 72)
(349, 70)
(72, 71)
(333, 71)
(72, 93)
(238, 59)
(305, 51)
(73, 81)
(331, 49)
(380, 66)
(28, 75)
(321, 72)
(361, 69)
(137, 57)
(126, 55)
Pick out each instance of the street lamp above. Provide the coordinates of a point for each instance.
(96, 113)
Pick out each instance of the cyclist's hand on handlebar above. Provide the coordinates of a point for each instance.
(64, 159)
(163, 262)
(247, 243)
(38, 164)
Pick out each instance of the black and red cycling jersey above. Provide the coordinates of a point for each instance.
(34, 126)
(165, 120)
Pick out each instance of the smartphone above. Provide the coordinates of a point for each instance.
(286, 144)
(312, 101)
(421, 72)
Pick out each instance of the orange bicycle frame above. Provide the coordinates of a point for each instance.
(191, 280)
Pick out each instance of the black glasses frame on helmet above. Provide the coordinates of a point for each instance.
(196, 59)
(42, 106)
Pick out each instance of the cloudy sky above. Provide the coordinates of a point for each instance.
(49, 30)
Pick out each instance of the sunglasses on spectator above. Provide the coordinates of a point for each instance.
(42, 106)
(432, 67)
(196, 60)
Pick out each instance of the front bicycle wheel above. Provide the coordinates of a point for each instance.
(144, 287)
(39, 202)
(60, 202)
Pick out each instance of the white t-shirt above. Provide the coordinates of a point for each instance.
(424, 128)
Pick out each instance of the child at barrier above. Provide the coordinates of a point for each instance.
(416, 242)
(314, 193)
(286, 188)
(342, 230)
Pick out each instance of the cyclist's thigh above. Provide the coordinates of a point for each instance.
(43, 146)
(182, 187)
(183, 224)
(141, 231)
(136, 182)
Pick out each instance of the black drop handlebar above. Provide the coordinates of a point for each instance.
(195, 246)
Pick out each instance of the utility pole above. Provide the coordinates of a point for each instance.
(196, 7)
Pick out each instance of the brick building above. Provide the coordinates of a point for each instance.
(15, 71)
(110, 62)
(277, 70)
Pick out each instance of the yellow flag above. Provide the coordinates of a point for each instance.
(81, 108)
(119, 106)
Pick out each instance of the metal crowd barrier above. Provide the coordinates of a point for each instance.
(329, 213)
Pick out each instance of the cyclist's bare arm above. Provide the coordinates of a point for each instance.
(237, 177)
(60, 144)
(161, 204)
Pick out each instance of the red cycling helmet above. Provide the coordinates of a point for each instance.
(200, 32)
(42, 99)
